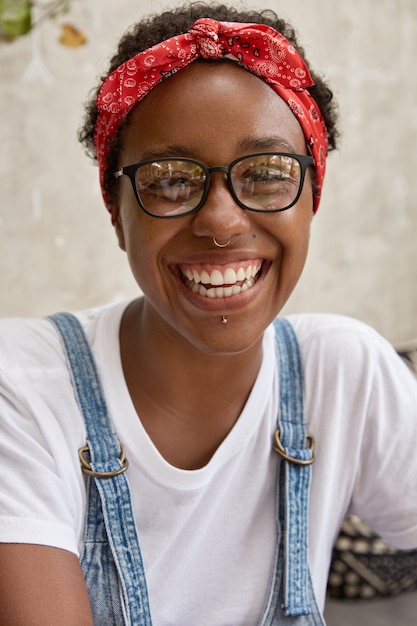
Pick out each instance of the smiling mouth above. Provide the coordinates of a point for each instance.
(221, 281)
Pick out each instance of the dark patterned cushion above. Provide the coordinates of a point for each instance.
(364, 566)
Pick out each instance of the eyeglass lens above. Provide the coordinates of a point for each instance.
(265, 182)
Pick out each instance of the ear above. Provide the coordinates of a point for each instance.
(117, 222)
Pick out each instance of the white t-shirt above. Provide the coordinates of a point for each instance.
(208, 536)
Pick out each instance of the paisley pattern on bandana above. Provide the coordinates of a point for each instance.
(257, 47)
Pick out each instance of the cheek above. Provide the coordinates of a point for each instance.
(293, 235)
(119, 230)
(143, 258)
(301, 249)
(140, 245)
(131, 236)
(295, 249)
(146, 241)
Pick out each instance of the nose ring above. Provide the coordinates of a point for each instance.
(221, 244)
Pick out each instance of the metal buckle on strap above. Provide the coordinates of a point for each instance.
(278, 447)
(86, 466)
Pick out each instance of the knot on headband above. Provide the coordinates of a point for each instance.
(205, 33)
(257, 47)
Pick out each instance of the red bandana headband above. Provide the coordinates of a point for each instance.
(258, 48)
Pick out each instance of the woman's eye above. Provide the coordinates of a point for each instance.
(179, 182)
(269, 175)
(267, 180)
(173, 188)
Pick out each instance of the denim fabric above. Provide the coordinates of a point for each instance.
(100, 572)
(111, 559)
(291, 599)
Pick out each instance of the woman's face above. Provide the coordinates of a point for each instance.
(215, 114)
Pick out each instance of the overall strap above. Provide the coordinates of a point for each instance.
(295, 471)
(106, 465)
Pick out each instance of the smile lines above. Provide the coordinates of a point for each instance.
(218, 283)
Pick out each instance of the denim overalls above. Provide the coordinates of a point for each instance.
(111, 559)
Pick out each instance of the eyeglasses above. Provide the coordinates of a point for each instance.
(265, 182)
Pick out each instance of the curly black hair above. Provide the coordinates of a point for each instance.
(158, 27)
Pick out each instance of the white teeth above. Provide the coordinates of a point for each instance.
(222, 292)
(249, 272)
(230, 277)
(221, 285)
(216, 278)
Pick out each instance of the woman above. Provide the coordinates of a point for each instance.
(211, 137)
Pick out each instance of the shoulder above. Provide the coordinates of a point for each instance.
(26, 343)
(338, 337)
(352, 372)
(31, 345)
(347, 355)
(328, 326)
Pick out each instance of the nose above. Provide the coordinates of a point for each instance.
(220, 216)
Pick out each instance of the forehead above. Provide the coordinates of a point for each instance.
(212, 106)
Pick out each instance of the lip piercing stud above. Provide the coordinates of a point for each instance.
(221, 244)
(224, 319)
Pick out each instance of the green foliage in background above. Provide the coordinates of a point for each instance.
(17, 16)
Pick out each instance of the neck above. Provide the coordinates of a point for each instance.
(188, 400)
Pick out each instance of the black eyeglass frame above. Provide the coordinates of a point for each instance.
(304, 160)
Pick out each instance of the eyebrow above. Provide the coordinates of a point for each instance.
(264, 143)
(248, 144)
(175, 150)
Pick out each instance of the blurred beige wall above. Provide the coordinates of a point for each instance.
(57, 247)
